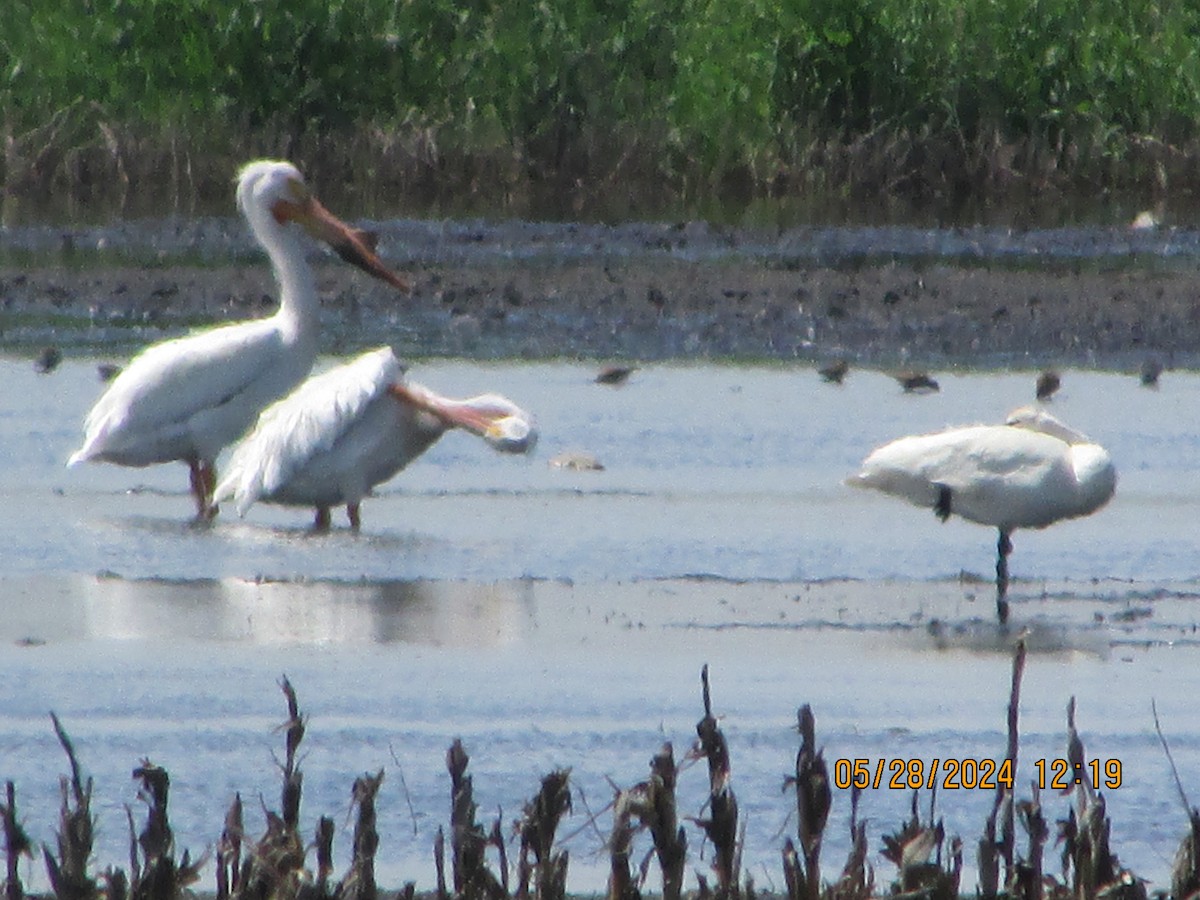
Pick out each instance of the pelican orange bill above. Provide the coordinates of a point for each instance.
(351, 244)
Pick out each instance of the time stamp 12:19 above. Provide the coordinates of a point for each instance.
(966, 773)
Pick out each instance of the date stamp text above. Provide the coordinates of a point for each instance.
(968, 773)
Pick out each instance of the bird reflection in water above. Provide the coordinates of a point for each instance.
(270, 612)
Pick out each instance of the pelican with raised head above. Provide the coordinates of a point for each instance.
(347, 430)
(1030, 472)
(188, 398)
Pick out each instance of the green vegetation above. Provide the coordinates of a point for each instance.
(910, 98)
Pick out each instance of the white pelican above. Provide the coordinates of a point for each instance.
(345, 431)
(186, 399)
(1028, 473)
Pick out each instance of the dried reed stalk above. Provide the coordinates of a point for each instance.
(991, 850)
(68, 873)
(857, 881)
(359, 883)
(324, 842)
(439, 863)
(468, 843)
(1185, 868)
(292, 778)
(722, 824)
(1086, 833)
(670, 840)
(1028, 883)
(813, 799)
(229, 850)
(274, 865)
(537, 828)
(649, 804)
(159, 877)
(16, 842)
(622, 885)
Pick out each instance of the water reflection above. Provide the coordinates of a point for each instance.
(456, 614)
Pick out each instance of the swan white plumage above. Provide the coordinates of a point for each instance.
(346, 430)
(1030, 472)
(186, 399)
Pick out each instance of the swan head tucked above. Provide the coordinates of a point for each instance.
(1092, 466)
(273, 193)
(1033, 418)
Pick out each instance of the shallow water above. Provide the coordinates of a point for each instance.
(560, 618)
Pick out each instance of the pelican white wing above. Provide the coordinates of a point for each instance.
(194, 394)
(305, 424)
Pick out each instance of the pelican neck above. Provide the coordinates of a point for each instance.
(287, 250)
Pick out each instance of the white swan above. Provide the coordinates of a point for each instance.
(1028, 473)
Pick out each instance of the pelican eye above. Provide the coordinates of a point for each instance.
(295, 199)
(298, 190)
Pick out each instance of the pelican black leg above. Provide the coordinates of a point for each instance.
(1003, 549)
(353, 515)
(323, 520)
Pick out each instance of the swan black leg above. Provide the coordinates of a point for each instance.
(1003, 549)
(941, 506)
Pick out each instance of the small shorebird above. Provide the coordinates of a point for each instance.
(1151, 369)
(917, 382)
(834, 371)
(1047, 383)
(47, 361)
(615, 375)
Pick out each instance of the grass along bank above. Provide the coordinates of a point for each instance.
(934, 100)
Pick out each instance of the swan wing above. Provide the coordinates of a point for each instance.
(998, 475)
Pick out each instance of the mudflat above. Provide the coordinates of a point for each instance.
(1105, 298)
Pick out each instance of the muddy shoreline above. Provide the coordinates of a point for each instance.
(880, 297)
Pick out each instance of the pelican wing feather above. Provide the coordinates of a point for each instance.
(303, 425)
(162, 391)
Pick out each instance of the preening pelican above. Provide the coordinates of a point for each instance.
(1028, 473)
(345, 431)
(186, 399)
